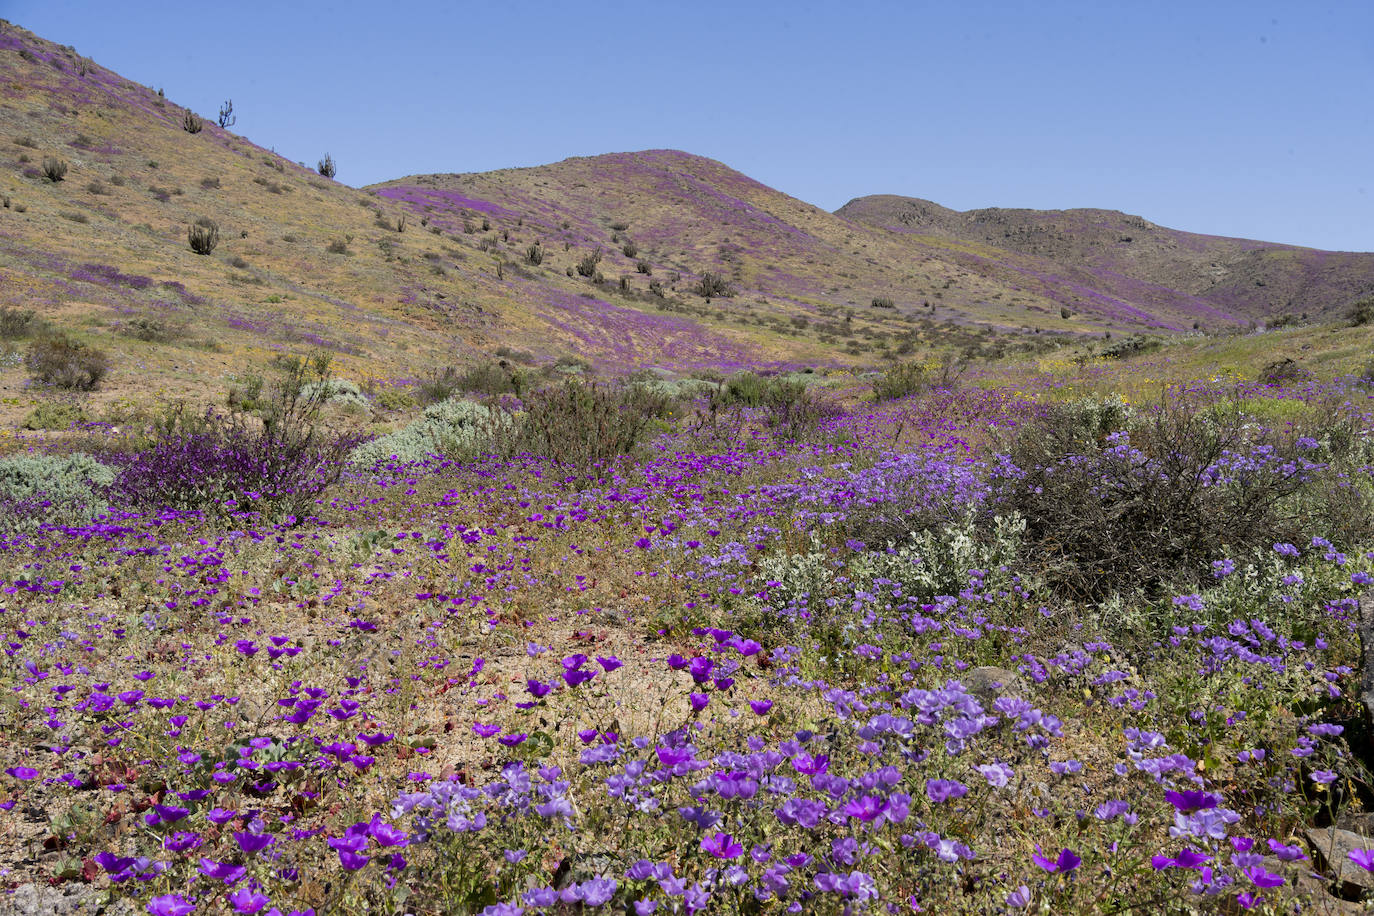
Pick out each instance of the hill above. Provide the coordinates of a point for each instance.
(646, 259)
(1117, 251)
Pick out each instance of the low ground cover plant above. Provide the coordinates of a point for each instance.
(606, 662)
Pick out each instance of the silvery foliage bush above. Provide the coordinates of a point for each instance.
(944, 561)
(339, 392)
(793, 579)
(64, 489)
(1101, 416)
(453, 428)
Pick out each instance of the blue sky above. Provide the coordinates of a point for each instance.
(1251, 119)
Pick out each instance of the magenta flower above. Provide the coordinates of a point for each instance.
(376, 740)
(698, 701)
(512, 740)
(575, 677)
(1066, 862)
(252, 842)
(1185, 859)
(721, 846)
(1262, 878)
(866, 808)
(1190, 800)
(608, 664)
(246, 900)
(387, 835)
(485, 731)
(1363, 858)
(222, 871)
(25, 773)
(537, 688)
(942, 790)
(352, 860)
(760, 707)
(170, 905)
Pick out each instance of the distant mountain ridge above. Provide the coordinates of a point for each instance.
(1252, 278)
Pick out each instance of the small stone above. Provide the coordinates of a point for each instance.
(989, 682)
(1331, 849)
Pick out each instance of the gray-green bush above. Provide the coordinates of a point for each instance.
(60, 489)
(453, 428)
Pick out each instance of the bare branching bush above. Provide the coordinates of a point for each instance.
(153, 329)
(326, 166)
(273, 454)
(534, 255)
(16, 324)
(227, 118)
(54, 169)
(1116, 503)
(191, 124)
(1283, 372)
(62, 362)
(203, 235)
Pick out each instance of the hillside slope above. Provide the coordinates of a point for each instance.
(1242, 277)
(430, 271)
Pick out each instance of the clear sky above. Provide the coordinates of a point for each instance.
(1251, 118)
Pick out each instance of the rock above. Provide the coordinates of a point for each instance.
(1331, 848)
(1361, 823)
(988, 682)
(71, 899)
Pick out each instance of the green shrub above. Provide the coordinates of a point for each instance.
(54, 169)
(326, 166)
(747, 389)
(883, 302)
(395, 399)
(61, 489)
(492, 379)
(439, 385)
(1134, 345)
(583, 425)
(59, 415)
(1362, 312)
(534, 255)
(65, 363)
(453, 428)
(900, 380)
(191, 124)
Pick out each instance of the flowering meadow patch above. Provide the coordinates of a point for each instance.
(755, 674)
